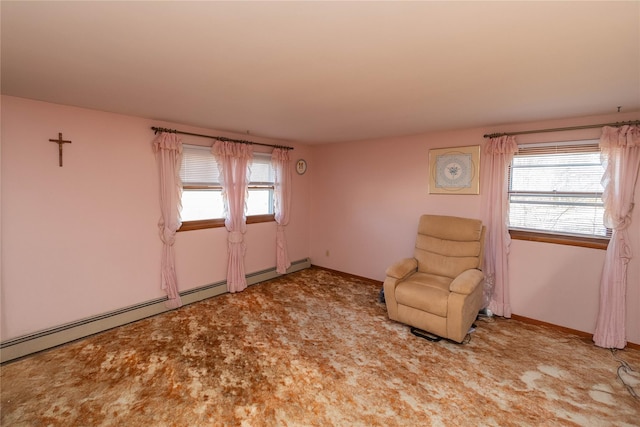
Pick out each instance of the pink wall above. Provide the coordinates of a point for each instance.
(368, 195)
(82, 240)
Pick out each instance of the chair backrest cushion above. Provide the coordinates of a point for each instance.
(447, 246)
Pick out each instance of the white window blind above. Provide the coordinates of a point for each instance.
(262, 171)
(556, 188)
(198, 166)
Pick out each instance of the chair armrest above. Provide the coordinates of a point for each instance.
(467, 281)
(401, 268)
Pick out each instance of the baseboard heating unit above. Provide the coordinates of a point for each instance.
(42, 340)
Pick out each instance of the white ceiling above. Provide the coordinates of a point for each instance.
(326, 71)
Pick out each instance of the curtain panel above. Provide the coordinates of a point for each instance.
(621, 156)
(168, 151)
(234, 161)
(496, 157)
(282, 204)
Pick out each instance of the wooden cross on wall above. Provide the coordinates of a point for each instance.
(60, 141)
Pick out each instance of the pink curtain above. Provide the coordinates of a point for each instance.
(168, 150)
(282, 203)
(495, 159)
(621, 155)
(234, 161)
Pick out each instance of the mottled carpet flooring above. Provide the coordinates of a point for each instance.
(314, 348)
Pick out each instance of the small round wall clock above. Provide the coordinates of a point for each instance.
(301, 166)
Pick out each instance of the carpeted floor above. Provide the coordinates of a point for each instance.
(316, 349)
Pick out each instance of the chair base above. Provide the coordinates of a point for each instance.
(424, 334)
(435, 338)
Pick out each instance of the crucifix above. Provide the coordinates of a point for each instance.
(60, 141)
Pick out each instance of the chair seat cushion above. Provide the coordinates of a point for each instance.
(426, 292)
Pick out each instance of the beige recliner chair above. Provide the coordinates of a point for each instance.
(440, 290)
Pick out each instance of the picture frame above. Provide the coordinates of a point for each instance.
(454, 170)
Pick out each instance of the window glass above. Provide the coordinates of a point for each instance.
(202, 191)
(201, 204)
(260, 201)
(556, 188)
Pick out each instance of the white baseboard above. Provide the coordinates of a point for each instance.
(42, 340)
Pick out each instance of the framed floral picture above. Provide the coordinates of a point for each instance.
(454, 170)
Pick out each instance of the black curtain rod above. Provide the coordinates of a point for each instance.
(219, 138)
(495, 135)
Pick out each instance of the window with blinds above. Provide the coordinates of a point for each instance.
(202, 189)
(556, 188)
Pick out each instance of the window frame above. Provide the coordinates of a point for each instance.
(201, 224)
(561, 238)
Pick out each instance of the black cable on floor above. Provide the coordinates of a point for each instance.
(627, 369)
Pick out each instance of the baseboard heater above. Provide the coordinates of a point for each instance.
(48, 338)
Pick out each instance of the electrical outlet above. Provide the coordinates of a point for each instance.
(326, 253)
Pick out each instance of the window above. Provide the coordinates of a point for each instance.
(202, 204)
(556, 189)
